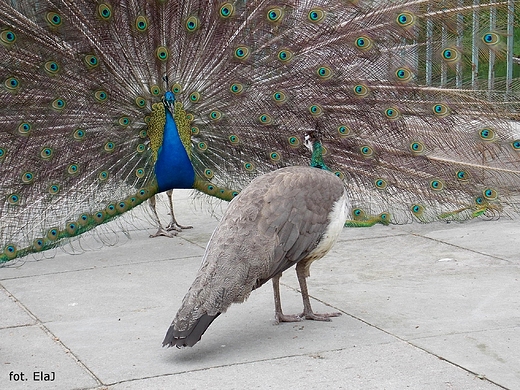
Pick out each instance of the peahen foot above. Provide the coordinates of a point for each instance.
(302, 273)
(280, 317)
(318, 317)
(307, 314)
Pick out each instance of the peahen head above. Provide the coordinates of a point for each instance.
(313, 143)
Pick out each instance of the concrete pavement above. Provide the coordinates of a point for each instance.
(424, 307)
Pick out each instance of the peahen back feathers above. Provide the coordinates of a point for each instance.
(106, 103)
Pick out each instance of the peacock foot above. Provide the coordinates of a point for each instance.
(318, 317)
(174, 226)
(165, 233)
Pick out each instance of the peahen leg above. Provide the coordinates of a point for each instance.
(308, 314)
(161, 231)
(174, 225)
(278, 315)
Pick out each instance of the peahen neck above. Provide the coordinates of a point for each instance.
(317, 156)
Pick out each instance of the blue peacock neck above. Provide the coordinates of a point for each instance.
(173, 168)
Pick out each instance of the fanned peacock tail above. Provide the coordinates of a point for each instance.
(106, 103)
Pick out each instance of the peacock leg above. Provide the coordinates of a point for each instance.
(308, 314)
(278, 315)
(174, 225)
(160, 231)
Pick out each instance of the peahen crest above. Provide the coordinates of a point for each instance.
(416, 102)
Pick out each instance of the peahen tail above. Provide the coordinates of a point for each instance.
(106, 103)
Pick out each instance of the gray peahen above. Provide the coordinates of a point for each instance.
(106, 103)
(291, 216)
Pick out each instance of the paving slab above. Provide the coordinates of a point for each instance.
(30, 358)
(12, 314)
(424, 307)
(384, 367)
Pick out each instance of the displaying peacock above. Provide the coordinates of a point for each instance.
(105, 104)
